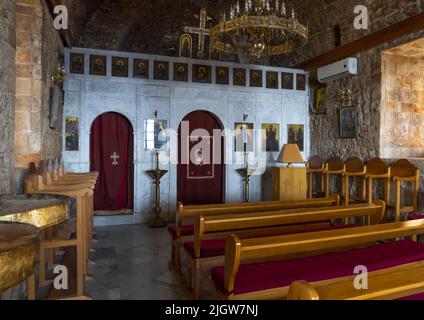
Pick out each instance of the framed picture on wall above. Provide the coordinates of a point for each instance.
(141, 69)
(222, 75)
(161, 70)
(154, 134)
(272, 80)
(271, 132)
(98, 65)
(287, 80)
(319, 106)
(71, 134)
(348, 123)
(181, 72)
(77, 63)
(119, 67)
(201, 73)
(300, 82)
(239, 77)
(243, 137)
(256, 78)
(296, 135)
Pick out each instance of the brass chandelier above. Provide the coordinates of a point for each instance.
(258, 28)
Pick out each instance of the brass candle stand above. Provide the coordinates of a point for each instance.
(156, 175)
(246, 173)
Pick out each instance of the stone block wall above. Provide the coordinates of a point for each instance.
(402, 111)
(7, 92)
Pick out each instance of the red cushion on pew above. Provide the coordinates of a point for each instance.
(186, 230)
(417, 217)
(262, 276)
(214, 248)
(416, 297)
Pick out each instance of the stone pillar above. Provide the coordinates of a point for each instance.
(7, 92)
(29, 22)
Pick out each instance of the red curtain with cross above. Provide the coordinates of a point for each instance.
(112, 152)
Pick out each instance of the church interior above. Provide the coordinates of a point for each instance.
(211, 150)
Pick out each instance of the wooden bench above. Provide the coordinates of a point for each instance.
(183, 231)
(82, 190)
(204, 254)
(377, 169)
(271, 280)
(387, 284)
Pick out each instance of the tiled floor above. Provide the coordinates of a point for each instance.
(131, 262)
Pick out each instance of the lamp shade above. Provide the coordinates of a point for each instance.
(290, 154)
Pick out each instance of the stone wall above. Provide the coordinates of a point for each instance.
(7, 92)
(322, 17)
(38, 51)
(402, 110)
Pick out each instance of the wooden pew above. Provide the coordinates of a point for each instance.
(263, 224)
(184, 232)
(36, 183)
(387, 284)
(276, 249)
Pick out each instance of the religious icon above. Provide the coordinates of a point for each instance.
(154, 134)
(272, 136)
(300, 82)
(71, 134)
(201, 73)
(348, 123)
(272, 80)
(201, 31)
(295, 135)
(77, 63)
(222, 75)
(287, 81)
(243, 134)
(239, 77)
(256, 78)
(186, 46)
(119, 67)
(180, 72)
(161, 71)
(320, 106)
(98, 65)
(141, 68)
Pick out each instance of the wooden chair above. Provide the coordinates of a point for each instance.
(264, 224)
(334, 167)
(241, 253)
(377, 169)
(183, 231)
(315, 168)
(387, 284)
(404, 171)
(354, 168)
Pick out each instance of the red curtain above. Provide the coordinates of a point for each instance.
(201, 183)
(112, 150)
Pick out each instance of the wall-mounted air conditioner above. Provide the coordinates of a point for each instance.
(337, 70)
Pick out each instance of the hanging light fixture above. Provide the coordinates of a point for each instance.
(258, 28)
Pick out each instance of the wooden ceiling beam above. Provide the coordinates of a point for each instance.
(65, 34)
(408, 26)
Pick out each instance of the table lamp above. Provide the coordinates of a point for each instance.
(290, 154)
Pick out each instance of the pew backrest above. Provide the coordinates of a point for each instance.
(237, 222)
(266, 248)
(192, 211)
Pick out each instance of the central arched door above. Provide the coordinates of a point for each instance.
(200, 174)
(112, 154)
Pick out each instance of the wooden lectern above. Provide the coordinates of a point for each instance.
(289, 183)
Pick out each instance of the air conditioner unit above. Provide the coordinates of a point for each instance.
(337, 70)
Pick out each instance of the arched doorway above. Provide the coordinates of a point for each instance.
(112, 154)
(200, 174)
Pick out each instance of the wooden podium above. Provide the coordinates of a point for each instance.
(289, 183)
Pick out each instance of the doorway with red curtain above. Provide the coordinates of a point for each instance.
(112, 154)
(200, 172)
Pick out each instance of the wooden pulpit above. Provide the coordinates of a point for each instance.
(289, 183)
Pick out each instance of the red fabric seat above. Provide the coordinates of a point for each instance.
(262, 276)
(186, 230)
(417, 217)
(216, 247)
(416, 297)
